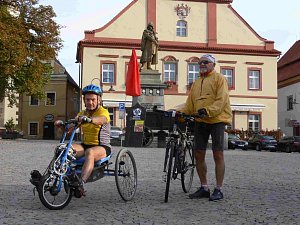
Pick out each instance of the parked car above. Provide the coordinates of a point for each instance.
(115, 132)
(261, 141)
(289, 144)
(235, 142)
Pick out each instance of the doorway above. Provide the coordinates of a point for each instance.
(48, 133)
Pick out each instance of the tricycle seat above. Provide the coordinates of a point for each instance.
(81, 160)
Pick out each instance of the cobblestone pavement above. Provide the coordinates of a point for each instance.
(260, 188)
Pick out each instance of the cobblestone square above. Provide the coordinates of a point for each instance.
(260, 188)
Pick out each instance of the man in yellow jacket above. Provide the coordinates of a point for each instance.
(209, 99)
(96, 133)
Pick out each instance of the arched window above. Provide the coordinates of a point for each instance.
(181, 28)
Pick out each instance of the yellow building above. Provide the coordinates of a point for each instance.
(187, 29)
(36, 117)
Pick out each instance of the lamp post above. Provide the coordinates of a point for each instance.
(101, 84)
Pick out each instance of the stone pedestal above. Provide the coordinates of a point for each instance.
(152, 90)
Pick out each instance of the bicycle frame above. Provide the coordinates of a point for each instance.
(178, 137)
(179, 155)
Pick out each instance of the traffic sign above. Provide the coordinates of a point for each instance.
(121, 106)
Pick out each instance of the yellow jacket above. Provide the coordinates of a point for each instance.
(96, 134)
(210, 92)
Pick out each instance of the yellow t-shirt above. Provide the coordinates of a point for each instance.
(96, 134)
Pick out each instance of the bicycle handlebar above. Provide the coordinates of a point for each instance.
(176, 114)
(73, 121)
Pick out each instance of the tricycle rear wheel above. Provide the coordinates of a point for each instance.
(126, 174)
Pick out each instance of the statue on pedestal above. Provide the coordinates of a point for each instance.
(149, 48)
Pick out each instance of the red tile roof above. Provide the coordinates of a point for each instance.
(293, 54)
(289, 64)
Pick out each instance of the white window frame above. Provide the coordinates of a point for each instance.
(107, 72)
(29, 131)
(254, 79)
(170, 72)
(192, 74)
(229, 77)
(181, 28)
(254, 119)
(30, 98)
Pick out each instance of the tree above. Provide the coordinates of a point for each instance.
(10, 125)
(29, 37)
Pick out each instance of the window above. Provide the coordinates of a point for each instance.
(290, 102)
(33, 100)
(254, 122)
(229, 74)
(51, 100)
(33, 128)
(181, 28)
(111, 115)
(254, 80)
(108, 73)
(193, 72)
(170, 72)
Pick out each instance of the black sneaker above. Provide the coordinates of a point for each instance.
(79, 191)
(200, 193)
(77, 184)
(216, 195)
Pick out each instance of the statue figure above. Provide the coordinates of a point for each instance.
(149, 47)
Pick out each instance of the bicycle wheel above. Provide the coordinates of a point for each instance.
(169, 167)
(54, 191)
(187, 173)
(126, 174)
(147, 137)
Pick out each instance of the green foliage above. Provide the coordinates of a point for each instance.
(10, 125)
(29, 36)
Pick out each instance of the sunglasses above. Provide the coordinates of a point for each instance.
(204, 62)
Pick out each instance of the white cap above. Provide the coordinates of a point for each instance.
(209, 58)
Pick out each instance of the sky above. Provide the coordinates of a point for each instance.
(275, 20)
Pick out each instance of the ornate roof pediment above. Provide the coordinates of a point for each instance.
(215, 1)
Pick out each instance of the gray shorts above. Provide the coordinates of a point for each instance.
(202, 132)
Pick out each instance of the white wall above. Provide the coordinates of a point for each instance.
(283, 115)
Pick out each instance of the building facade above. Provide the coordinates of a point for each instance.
(289, 91)
(37, 117)
(6, 112)
(186, 29)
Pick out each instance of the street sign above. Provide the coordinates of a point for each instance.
(121, 115)
(121, 106)
(49, 117)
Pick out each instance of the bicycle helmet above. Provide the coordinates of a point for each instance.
(92, 89)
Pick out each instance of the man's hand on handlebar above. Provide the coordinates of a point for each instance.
(202, 113)
(84, 119)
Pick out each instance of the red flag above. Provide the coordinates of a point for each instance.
(133, 82)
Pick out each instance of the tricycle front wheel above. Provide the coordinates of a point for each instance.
(126, 174)
(54, 191)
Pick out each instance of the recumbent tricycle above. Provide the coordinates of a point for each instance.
(54, 185)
